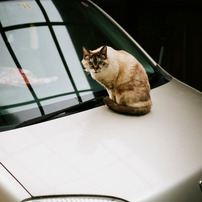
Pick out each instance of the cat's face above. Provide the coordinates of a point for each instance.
(95, 61)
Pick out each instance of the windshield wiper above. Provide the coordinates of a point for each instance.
(98, 101)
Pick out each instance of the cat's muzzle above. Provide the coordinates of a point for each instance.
(96, 70)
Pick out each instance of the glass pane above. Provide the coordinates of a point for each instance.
(15, 95)
(20, 12)
(38, 56)
(5, 57)
(51, 11)
(12, 83)
(65, 100)
(71, 57)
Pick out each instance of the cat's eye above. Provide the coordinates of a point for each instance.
(90, 63)
(100, 63)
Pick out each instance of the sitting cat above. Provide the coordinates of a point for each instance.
(123, 77)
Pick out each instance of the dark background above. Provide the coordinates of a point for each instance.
(174, 24)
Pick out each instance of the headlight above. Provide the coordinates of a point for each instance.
(75, 199)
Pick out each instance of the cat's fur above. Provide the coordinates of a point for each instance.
(123, 77)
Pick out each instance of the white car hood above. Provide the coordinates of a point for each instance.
(102, 152)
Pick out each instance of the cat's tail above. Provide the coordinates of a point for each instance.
(143, 109)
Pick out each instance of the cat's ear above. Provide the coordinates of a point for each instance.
(103, 52)
(86, 53)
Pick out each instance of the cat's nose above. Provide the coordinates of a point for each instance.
(96, 70)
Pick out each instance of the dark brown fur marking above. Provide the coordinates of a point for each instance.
(123, 109)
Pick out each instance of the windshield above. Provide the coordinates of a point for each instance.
(41, 49)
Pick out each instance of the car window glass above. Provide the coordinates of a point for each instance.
(41, 61)
(41, 52)
(20, 12)
(71, 58)
(51, 11)
(5, 57)
(12, 84)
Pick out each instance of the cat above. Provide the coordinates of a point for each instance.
(123, 77)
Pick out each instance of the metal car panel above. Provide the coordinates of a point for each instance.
(10, 189)
(102, 152)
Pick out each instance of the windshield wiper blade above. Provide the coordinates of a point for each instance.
(69, 110)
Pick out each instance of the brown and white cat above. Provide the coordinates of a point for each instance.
(123, 77)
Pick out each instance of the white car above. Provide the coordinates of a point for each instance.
(58, 142)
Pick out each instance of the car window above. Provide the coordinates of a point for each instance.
(41, 49)
(20, 12)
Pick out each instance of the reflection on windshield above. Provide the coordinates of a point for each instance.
(41, 49)
(44, 67)
(17, 77)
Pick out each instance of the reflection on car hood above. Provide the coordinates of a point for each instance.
(102, 152)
